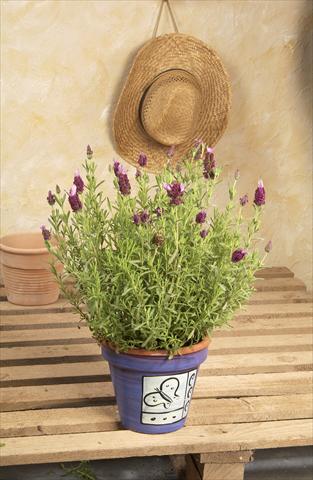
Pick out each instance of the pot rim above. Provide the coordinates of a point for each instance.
(142, 352)
(21, 251)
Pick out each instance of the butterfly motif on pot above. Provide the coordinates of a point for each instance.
(164, 395)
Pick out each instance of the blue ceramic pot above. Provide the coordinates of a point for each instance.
(153, 393)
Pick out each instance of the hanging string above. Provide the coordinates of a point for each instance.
(159, 17)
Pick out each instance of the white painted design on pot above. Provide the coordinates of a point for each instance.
(166, 398)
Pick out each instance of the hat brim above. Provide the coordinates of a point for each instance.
(171, 51)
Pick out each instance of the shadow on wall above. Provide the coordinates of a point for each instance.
(305, 50)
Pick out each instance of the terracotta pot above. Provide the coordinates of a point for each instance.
(153, 392)
(26, 270)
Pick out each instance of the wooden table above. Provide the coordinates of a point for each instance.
(254, 391)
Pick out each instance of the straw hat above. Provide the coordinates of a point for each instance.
(177, 91)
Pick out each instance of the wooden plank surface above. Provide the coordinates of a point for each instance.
(254, 389)
(279, 297)
(225, 364)
(279, 284)
(208, 411)
(88, 393)
(195, 439)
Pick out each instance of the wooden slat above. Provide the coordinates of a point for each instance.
(231, 364)
(62, 305)
(32, 397)
(254, 311)
(223, 338)
(264, 298)
(40, 321)
(243, 326)
(72, 352)
(257, 363)
(277, 311)
(223, 471)
(202, 439)
(16, 337)
(242, 320)
(279, 284)
(202, 412)
(229, 457)
(38, 336)
(49, 352)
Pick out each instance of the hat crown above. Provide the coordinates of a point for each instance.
(170, 107)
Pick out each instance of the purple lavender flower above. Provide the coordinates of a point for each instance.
(118, 168)
(144, 216)
(176, 201)
(74, 199)
(124, 184)
(51, 198)
(138, 173)
(175, 191)
(268, 246)
(136, 219)
(238, 255)
(158, 211)
(89, 152)
(201, 216)
(204, 233)
(171, 151)
(197, 143)
(45, 232)
(79, 182)
(142, 160)
(209, 164)
(259, 196)
(244, 200)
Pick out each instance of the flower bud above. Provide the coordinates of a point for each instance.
(201, 216)
(79, 182)
(136, 219)
(142, 160)
(51, 198)
(268, 246)
(244, 200)
(89, 152)
(45, 232)
(238, 255)
(259, 195)
(74, 199)
(144, 217)
(124, 184)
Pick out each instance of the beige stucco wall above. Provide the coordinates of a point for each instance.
(63, 64)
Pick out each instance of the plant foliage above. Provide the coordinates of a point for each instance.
(149, 271)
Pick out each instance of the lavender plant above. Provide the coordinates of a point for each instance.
(159, 269)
